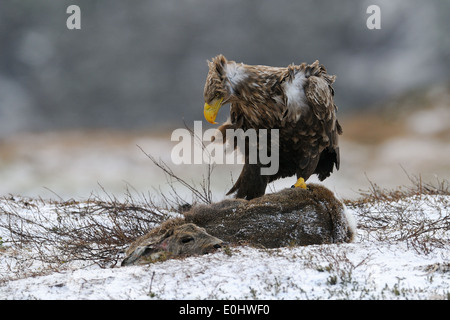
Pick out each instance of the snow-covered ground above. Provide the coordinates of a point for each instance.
(402, 251)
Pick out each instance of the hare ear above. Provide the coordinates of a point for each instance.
(163, 242)
(139, 252)
(167, 234)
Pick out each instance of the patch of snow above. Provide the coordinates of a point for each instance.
(368, 268)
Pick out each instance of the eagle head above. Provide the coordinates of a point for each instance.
(217, 92)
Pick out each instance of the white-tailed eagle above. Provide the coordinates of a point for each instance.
(297, 100)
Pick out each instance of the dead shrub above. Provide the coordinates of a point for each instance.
(417, 215)
(90, 232)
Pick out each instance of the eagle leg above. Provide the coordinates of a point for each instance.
(250, 184)
(300, 184)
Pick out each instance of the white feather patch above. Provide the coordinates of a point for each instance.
(296, 99)
(235, 72)
(294, 90)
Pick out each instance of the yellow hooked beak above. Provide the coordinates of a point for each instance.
(211, 111)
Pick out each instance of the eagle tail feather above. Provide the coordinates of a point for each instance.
(328, 159)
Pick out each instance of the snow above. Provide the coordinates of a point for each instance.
(379, 264)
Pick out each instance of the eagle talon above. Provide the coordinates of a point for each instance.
(300, 184)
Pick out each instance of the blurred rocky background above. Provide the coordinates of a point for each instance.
(74, 104)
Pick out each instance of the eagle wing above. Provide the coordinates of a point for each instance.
(319, 94)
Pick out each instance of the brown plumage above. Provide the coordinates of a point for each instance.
(297, 100)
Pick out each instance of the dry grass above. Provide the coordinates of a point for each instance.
(417, 187)
(399, 214)
(91, 232)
